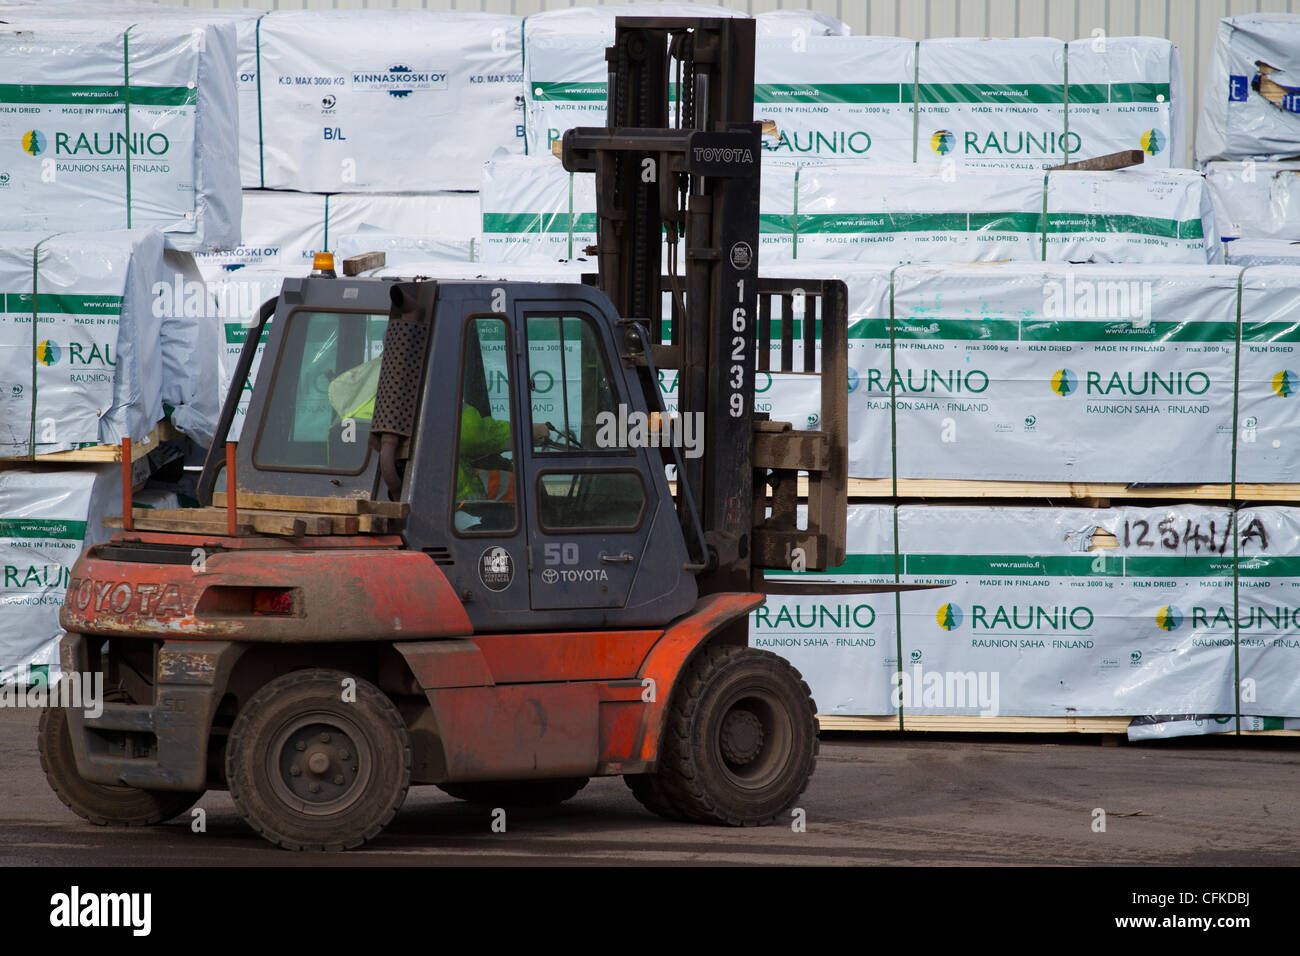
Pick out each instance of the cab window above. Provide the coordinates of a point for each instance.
(322, 397)
(571, 395)
(485, 500)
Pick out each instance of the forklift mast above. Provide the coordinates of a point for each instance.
(678, 163)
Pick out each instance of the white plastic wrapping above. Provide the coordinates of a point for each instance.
(46, 516)
(366, 100)
(1269, 377)
(1130, 216)
(1250, 106)
(813, 211)
(66, 132)
(1262, 252)
(1042, 616)
(1256, 200)
(1003, 102)
(565, 71)
(280, 229)
(284, 230)
(400, 248)
(90, 371)
(799, 24)
(845, 98)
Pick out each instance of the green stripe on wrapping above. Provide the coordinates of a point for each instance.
(1270, 331)
(947, 222)
(1071, 222)
(126, 119)
(571, 92)
(914, 329)
(65, 304)
(42, 528)
(1258, 566)
(1017, 330)
(62, 95)
(237, 333)
(991, 93)
(1187, 567)
(1126, 331)
(535, 222)
(1012, 565)
(828, 93)
(1093, 93)
(872, 564)
(773, 224)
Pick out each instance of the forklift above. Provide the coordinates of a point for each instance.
(436, 555)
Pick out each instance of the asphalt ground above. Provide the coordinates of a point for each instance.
(875, 799)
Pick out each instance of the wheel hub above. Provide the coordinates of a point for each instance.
(318, 765)
(742, 737)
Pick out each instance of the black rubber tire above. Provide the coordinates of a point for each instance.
(259, 749)
(756, 772)
(649, 790)
(100, 804)
(516, 793)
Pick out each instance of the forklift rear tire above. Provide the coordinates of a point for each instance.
(740, 740)
(101, 804)
(516, 793)
(310, 770)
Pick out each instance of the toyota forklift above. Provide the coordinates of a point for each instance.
(436, 555)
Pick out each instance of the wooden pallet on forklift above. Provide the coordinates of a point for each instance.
(934, 723)
(288, 516)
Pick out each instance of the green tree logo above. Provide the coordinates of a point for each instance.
(47, 353)
(1285, 383)
(949, 617)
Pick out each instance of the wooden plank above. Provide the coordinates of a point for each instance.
(374, 524)
(260, 501)
(213, 521)
(305, 524)
(945, 488)
(148, 519)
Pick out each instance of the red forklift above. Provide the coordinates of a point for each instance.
(430, 559)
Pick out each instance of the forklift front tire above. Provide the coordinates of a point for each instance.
(311, 767)
(101, 804)
(740, 741)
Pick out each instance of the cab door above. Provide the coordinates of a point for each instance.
(590, 506)
(489, 541)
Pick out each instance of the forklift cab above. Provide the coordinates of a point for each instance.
(522, 483)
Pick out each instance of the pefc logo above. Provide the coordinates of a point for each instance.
(1064, 382)
(1284, 383)
(34, 142)
(1153, 141)
(949, 616)
(941, 141)
(1169, 618)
